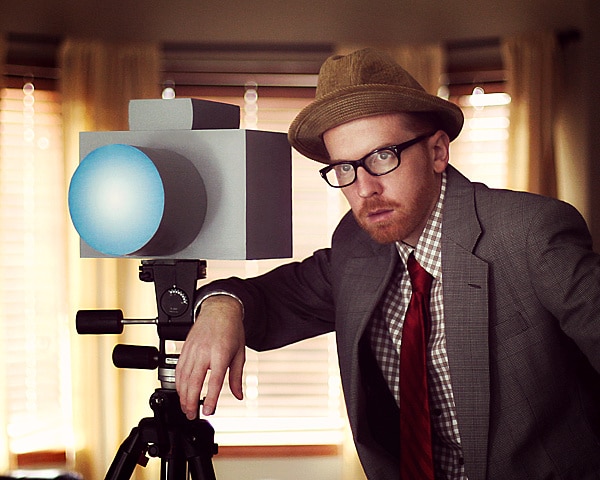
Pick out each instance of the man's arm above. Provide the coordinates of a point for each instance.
(216, 342)
(565, 273)
(283, 306)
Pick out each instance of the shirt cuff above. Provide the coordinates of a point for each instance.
(200, 300)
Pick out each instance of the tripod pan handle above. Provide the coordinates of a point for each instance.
(99, 321)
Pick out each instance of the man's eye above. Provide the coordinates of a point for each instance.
(382, 161)
(384, 156)
(343, 169)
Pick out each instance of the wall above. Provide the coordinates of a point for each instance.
(283, 21)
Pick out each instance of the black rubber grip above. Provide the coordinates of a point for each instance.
(99, 321)
(135, 356)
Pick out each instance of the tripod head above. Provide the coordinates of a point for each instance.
(184, 446)
(175, 286)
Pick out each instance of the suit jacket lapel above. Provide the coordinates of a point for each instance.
(363, 280)
(465, 287)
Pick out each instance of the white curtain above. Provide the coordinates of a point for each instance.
(4, 458)
(97, 82)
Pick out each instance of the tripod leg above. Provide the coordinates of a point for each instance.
(201, 468)
(127, 457)
(200, 447)
(173, 466)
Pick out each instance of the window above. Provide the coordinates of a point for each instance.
(476, 82)
(480, 151)
(292, 395)
(35, 369)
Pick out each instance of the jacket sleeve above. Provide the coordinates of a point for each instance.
(288, 304)
(565, 273)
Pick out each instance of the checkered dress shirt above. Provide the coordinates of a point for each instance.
(386, 339)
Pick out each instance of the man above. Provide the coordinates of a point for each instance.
(512, 316)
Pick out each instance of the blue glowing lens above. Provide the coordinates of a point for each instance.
(116, 199)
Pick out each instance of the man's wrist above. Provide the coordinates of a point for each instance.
(200, 300)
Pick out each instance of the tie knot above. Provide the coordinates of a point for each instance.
(419, 277)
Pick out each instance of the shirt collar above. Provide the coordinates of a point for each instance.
(428, 250)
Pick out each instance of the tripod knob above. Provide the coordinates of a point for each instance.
(99, 321)
(153, 450)
(135, 356)
(174, 302)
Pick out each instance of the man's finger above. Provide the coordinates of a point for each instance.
(215, 385)
(236, 371)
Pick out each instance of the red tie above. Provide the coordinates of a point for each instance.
(416, 458)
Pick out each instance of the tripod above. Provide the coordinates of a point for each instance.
(170, 436)
(184, 446)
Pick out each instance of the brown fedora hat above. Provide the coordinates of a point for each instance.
(364, 83)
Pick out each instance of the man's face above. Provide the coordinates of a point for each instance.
(395, 206)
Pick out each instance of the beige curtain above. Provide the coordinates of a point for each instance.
(97, 82)
(3, 51)
(4, 459)
(426, 63)
(532, 78)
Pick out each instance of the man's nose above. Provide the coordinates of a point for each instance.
(366, 184)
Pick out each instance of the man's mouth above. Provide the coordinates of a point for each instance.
(379, 214)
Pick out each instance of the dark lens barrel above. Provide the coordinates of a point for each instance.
(95, 322)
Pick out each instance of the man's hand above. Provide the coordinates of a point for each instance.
(216, 342)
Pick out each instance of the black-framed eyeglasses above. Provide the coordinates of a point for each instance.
(379, 162)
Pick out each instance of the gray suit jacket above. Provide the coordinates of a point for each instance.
(522, 311)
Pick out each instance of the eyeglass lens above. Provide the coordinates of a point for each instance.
(377, 163)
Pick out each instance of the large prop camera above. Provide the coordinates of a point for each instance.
(211, 191)
(183, 185)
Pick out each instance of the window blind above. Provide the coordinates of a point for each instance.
(481, 150)
(33, 318)
(293, 394)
